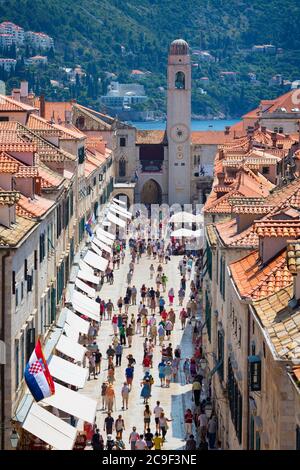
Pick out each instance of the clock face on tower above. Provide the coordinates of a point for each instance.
(180, 133)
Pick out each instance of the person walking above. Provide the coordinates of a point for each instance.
(110, 398)
(108, 424)
(196, 388)
(103, 395)
(122, 334)
(188, 422)
(147, 417)
(161, 334)
(129, 334)
(119, 426)
(186, 370)
(212, 431)
(133, 438)
(98, 357)
(92, 366)
(163, 424)
(146, 390)
(168, 374)
(171, 296)
(157, 441)
(164, 281)
(133, 295)
(202, 422)
(149, 438)
(129, 373)
(161, 373)
(183, 316)
(158, 410)
(181, 295)
(152, 270)
(97, 441)
(119, 352)
(125, 396)
(140, 443)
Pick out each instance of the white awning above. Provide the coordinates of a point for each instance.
(85, 267)
(71, 348)
(96, 249)
(122, 213)
(75, 322)
(96, 261)
(118, 201)
(183, 232)
(115, 220)
(182, 217)
(49, 428)
(85, 305)
(87, 276)
(121, 209)
(73, 403)
(85, 288)
(102, 245)
(67, 372)
(109, 235)
(69, 292)
(104, 239)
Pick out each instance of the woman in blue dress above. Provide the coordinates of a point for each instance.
(146, 390)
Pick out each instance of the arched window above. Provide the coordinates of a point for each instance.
(122, 167)
(80, 122)
(180, 81)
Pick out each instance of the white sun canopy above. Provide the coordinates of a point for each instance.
(96, 261)
(85, 267)
(120, 209)
(116, 210)
(73, 403)
(67, 372)
(85, 288)
(76, 323)
(102, 245)
(71, 348)
(104, 239)
(87, 276)
(183, 217)
(109, 235)
(183, 232)
(85, 305)
(49, 428)
(96, 249)
(118, 201)
(115, 220)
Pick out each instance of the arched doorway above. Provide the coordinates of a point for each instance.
(151, 193)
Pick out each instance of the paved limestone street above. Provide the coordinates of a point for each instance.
(175, 399)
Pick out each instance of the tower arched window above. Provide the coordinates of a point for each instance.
(122, 167)
(180, 81)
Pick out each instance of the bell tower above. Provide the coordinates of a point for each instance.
(179, 122)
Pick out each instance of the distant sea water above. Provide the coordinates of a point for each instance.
(209, 125)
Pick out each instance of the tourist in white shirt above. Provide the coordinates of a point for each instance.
(158, 410)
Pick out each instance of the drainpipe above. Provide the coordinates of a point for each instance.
(2, 338)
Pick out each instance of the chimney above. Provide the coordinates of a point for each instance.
(42, 106)
(16, 94)
(24, 89)
(274, 138)
(227, 130)
(263, 129)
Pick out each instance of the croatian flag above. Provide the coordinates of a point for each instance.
(37, 375)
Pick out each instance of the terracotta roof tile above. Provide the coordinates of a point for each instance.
(293, 256)
(9, 198)
(8, 104)
(255, 280)
(281, 323)
(8, 164)
(228, 233)
(36, 207)
(211, 235)
(13, 235)
(150, 137)
(278, 228)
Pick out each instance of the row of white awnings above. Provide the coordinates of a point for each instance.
(119, 202)
(116, 220)
(120, 211)
(47, 426)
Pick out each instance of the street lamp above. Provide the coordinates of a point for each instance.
(14, 439)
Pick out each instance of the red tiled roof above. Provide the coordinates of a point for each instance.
(8, 104)
(278, 228)
(35, 207)
(255, 280)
